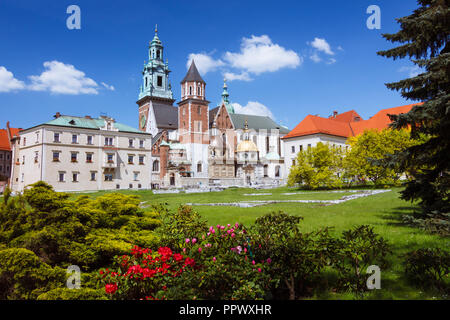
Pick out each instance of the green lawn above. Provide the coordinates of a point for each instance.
(382, 211)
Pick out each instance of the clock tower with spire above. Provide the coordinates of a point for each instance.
(155, 93)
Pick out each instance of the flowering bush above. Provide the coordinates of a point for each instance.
(145, 274)
(226, 267)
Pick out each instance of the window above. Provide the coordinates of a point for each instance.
(293, 162)
(110, 158)
(56, 137)
(136, 176)
(1, 168)
(199, 126)
(108, 141)
(23, 159)
(146, 82)
(130, 143)
(130, 186)
(277, 171)
(199, 110)
(199, 167)
(266, 171)
(93, 175)
(130, 159)
(267, 144)
(1, 156)
(141, 159)
(109, 177)
(293, 149)
(117, 186)
(139, 186)
(190, 90)
(61, 177)
(55, 156)
(141, 144)
(89, 157)
(89, 139)
(301, 147)
(184, 111)
(199, 91)
(74, 138)
(159, 83)
(155, 166)
(74, 177)
(24, 141)
(309, 146)
(36, 157)
(73, 157)
(158, 54)
(37, 136)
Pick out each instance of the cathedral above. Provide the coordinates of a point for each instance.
(195, 146)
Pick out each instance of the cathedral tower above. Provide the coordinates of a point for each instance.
(155, 91)
(193, 120)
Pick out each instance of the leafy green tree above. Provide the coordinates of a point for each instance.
(424, 38)
(375, 145)
(317, 167)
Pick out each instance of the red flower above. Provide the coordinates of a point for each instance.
(189, 262)
(111, 288)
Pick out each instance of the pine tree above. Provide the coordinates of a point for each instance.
(424, 38)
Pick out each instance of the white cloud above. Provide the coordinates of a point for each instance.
(8, 82)
(340, 48)
(331, 61)
(244, 76)
(63, 78)
(109, 87)
(253, 108)
(322, 45)
(315, 57)
(204, 62)
(413, 71)
(260, 54)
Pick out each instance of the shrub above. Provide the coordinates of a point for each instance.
(144, 274)
(296, 259)
(359, 248)
(179, 225)
(73, 294)
(428, 268)
(24, 276)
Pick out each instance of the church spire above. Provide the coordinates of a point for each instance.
(225, 97)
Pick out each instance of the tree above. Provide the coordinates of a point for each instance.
(424, 38)
(375, 145)
(317, 167)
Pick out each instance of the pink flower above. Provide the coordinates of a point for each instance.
(218, 226)
(253, 262)
(228, 231)
(184, 250)
(245, 249)
(222, 227)
(232, 235)
(203, 237)
(194, 240)
(228, 225)
(200, 249)
(259, 269)
(209, 233)
(269, 260)
(213, 231)
(187, 240)
(214, 259)
(237, 225)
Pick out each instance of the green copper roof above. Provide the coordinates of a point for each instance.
(225, 97)
(86, 123)
(256, 122)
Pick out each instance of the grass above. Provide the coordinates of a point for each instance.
(382, 211)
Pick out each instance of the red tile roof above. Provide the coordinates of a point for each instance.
(345, 124)
(4, 140)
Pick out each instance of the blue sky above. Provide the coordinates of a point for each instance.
(293, 58)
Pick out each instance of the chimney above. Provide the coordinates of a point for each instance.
(335, 113)
(88, 117)
(57, 115)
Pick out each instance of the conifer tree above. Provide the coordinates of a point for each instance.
(424, 38)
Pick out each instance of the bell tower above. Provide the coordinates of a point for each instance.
(155, 87)
(193, 120)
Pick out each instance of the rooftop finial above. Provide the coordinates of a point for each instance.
(156, 28)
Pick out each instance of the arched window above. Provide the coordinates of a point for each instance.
(277, 171)
(224, 144)
(146, 82)
(158, 54)
(156, 166)
(199, 91)
(190, 90)
(199, 167)
(266, 171)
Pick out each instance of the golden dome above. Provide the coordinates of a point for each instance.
(247, 146)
